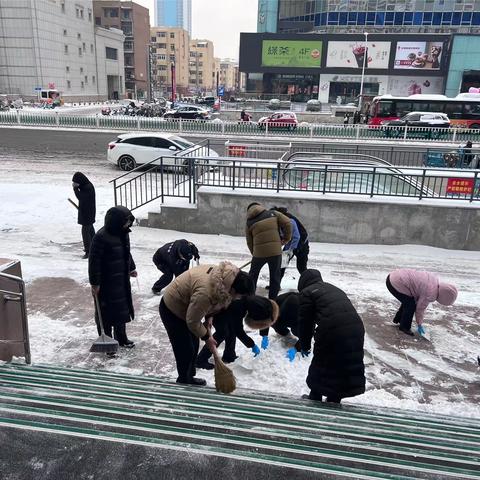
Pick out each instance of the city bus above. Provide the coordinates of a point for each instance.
(463, 110)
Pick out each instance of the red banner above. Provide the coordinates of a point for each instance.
(460, 185)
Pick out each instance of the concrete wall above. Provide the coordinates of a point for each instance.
(361, 221)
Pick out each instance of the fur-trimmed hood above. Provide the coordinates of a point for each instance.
(221, 279)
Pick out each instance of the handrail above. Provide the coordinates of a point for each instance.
(377, 160)
(23, 308)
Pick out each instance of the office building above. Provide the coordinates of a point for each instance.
(54, 48)
(381, 16)
(174, 13)
(203, 67)
(134, 21)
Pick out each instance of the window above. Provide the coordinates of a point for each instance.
(64, 32)
(161, 46)
(172, 48)
(65, 49)
(79, 36)
(141, 141)
(86, 79)
(162, 67)
(161, 34)
(91, 48)
(69, 84)
(62, 6)
(172, 34)
(79, 51)
(111, 53)
(89, 15)
(81, 69)
(67, 69)
(110, 12)
(126, 13)
(84, 46)
(93, 79)
(98, 21)
(82, 85)
(161, 143)
(172, 58)
(161, 56)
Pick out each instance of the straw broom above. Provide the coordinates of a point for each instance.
(225, 381)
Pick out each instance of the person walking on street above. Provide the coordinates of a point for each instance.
(85, 192)
(198, 294)
(346, 119)
(258, 312)
(266, 232)
(172, 260)
(110, 267)
(415, 289)
(337, 370)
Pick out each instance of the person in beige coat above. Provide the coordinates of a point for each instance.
(266, 232)
(192, 297)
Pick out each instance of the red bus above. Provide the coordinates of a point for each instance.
(463, 110)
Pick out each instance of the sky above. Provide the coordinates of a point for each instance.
(220, 21)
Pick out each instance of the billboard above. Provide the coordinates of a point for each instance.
(352, 54)
(291, 53)
(418, 55)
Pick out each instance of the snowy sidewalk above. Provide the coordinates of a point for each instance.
(38, 226)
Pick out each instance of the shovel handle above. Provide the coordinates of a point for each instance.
(73, 203)
(99, 313)
(245, 265)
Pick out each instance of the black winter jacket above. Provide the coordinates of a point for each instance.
(167, 257)
(337, 367)
(288, 317)
(110, 264)
(86, 199)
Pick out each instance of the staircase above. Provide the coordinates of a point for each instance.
(62, 423)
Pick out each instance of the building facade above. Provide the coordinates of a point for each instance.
(52, 46)
(202, 67)
(174, 13)
(134, 21)
(170, 46)
(228, 77)
(382, 16)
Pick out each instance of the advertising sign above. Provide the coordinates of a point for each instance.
(352, 54)
(418, 55)
(460, 186)
(291, 53)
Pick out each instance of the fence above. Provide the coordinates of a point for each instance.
(162, 180)
(218, 127)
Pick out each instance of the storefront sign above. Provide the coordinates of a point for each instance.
(418, 55)
(353, 54)
(460, 186)
(291, 53)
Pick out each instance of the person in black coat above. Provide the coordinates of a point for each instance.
(85, 192)
(110, 267)
(287, 322)
(337, 370)
(172, 260)
(257, 311)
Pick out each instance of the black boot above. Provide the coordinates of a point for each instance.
(127, 344)
(200, 382)
(205, 364)
(406, 331)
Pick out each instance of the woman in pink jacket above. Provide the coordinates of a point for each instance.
(415, 290)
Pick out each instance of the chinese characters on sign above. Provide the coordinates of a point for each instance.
(418, 55)
(291, 53)
(460, 186)
(352, 54)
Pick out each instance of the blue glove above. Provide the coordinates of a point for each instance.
(305, 353)
(265, 342)
(291, 354)
(421, 330)
(255, 351)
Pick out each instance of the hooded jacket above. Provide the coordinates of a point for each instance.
(424, 287)
(337, 367)
(110, 264)
(265, 231)
(199, 293)
(85, 194)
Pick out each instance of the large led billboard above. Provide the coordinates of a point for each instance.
(353, 54)
(418, 55)
(292, 53)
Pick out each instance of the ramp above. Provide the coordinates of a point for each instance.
(62, 423)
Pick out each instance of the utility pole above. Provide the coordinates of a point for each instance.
(174, 82)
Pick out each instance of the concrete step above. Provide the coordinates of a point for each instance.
(246, 431)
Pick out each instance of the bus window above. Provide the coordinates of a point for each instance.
(385, 109)
(404, 107)
(454, 110)
(471, 111)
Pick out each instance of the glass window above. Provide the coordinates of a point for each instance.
(403, 107)
(343, 18)
(69, 84)
(447, 18)
(385, 109)
(417, 18)
(370, 18)
(437, 18)
(141, 141)
(454, 110)
(398, 18)
(476, 18)
(161, 143)
(111, 53)
(389, 18)
(380, 18)
(408, 18)
(361, 18)
(467, 18)
(427, 18)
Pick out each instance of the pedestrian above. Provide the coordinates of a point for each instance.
(85, 192)
(172, 260)
(287, 322)
(110, 267)
(303, 248)
(467, 154)
(196, 294)
(415, 289)
(258, 312)
(356, 117)
(346, 119)
(337, 370)
(266, 232)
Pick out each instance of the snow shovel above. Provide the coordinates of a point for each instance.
(104, 343)
(73, 203)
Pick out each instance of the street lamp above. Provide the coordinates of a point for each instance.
(365, 59)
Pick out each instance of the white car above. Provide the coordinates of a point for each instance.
(133, 149)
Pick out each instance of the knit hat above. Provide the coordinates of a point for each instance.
(261, 312)
(447, 294)
(185, 251)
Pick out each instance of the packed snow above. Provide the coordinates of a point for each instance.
(38, 226)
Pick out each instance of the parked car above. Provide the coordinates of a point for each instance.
(210, 101)
(279, 120)
(188, 112)
(419, 123)
(133, 149)
(106, 111)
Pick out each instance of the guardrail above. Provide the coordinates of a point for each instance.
(162, 180)
(218, 127)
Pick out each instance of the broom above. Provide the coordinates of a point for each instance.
(104, 343)
(225, 381)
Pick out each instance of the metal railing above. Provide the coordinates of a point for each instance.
(20, 297)
(218, 127)
(311, 176)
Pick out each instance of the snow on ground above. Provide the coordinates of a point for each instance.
(38, 226)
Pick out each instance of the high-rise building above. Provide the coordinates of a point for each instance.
(134, 21)
(54, 48)
(386, 16)
(174, 13)
(203, 66)
(170, 46)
